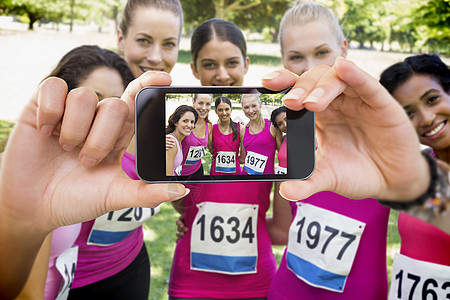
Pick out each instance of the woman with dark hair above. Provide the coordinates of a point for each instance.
(107, 75)
(421, 84)
(195, 144)
(113, 258)
(75, 66)
(180, 125)
(278, 119)
(226, 140)
(206, 266)
(219, 54)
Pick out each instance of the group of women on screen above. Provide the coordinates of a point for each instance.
(230, 143)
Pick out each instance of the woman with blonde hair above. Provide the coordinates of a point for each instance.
(336, 246)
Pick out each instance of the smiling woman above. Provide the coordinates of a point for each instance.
(148, 47)
(181, 123)
(421, 84)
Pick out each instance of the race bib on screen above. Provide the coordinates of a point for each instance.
(116, 225)
(255, 163)
(416, 280)
(194, 154)
(224, 239)
(322, 246)
(281, 170)
(226, 162)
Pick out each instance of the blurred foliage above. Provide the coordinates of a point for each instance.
(406, 25)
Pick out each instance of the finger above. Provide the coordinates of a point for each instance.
(302, 189)
(135, 193)
(279, 80)
(51, 97)
(301, 86)
(362, 84)
(149, 78)
(104, 132)
(79, 112)
(320, 87)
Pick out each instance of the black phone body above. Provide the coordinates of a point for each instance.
(155, 104)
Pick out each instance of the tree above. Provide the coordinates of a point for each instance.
(265, 17)
(34, 10)
(362, 21)
(198, 11)
(61, 10)
(432, 21)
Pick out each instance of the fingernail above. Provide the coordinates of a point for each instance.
(87, 161)
(293, 200)
(295, 94)
(314, 96)
(184, 195)
(47, 130)
(270, 76)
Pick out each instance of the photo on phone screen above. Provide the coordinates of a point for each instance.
(221, 134)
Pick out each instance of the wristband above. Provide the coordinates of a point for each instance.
(435, 200)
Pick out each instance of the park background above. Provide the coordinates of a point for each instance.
(35, 34)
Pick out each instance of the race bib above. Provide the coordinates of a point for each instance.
(194, 154)
(255, 163)
(178, 170)
(226, 162)
(281, 170)
(66, 264)
(322, 246)
(416, 280)
(114, 226)
(223, 238)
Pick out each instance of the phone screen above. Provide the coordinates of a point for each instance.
(221, 134)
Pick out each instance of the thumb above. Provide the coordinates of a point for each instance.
(135, 193)
(302, 189)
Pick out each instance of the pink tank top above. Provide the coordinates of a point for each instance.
(416, 233)
(190, 282)
(368, 275)
(264, 145)
(191, 163)
(225, 144)
(99, 262)
(282, 154)
(178, 158)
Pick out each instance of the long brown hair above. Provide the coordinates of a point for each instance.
(177, 114)
(80, 62)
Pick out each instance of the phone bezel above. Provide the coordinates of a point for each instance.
(150, 152)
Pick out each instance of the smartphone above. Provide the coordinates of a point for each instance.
(155, 106)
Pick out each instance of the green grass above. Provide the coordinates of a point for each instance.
(184, 57)
(5, 129)
(159, 236)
